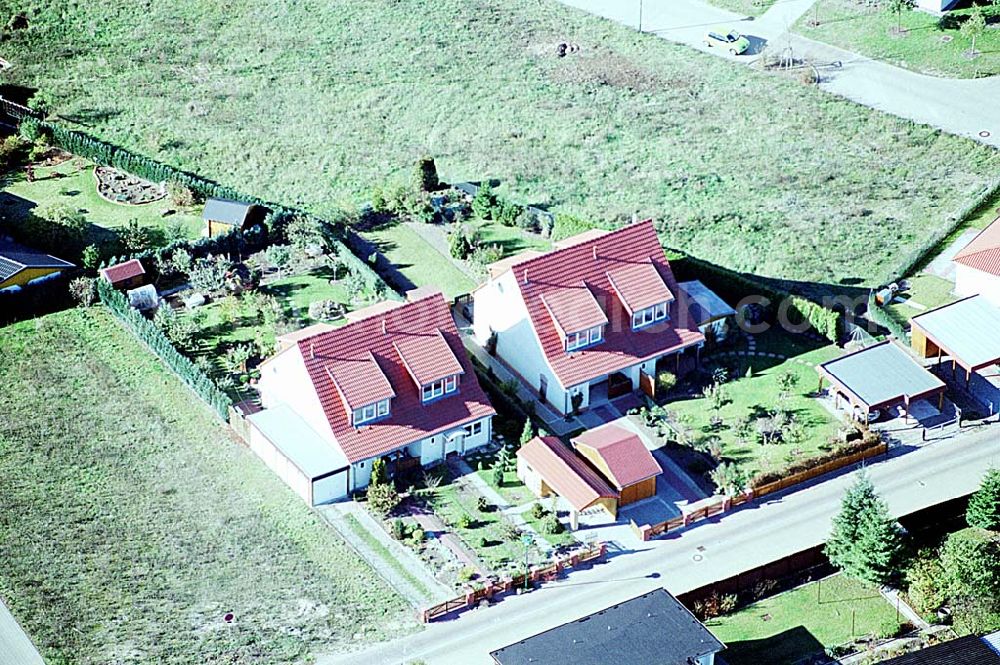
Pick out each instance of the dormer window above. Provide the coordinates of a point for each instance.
(649, 316)
(440, 388)
(371, 412)
(584, 338)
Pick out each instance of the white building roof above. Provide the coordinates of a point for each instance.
(298, 441)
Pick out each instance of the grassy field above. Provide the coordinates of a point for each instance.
(747, 395)
(744, 7)
(131, 522)
(794, 624)
(72, 183)
(929, 44)
(418, 261)
(788, 182)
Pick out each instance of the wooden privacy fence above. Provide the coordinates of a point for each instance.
(820, 469)
(715, 505)
(496, 589)
(17, 111)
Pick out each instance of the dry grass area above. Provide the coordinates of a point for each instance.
(744, 168)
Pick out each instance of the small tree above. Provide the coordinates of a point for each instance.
(382, 498)
(236, 358)
(278, 256)
(865, 542)
(484, 202)
(380, 474)
(984, 505)
(426, 175)
(84, 291)
(787, 381)
(974, 26)
(527, 433)
(90, 258)
(134, 238)
(971, 562)
(209, 274)
(897, 7)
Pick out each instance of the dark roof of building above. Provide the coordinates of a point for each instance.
(14, 258)
(881, 375)
(968, 650)
(653, 629)
(227, 211)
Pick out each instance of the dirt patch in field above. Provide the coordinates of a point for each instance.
(582, 66)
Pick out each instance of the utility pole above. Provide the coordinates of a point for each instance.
(640, 15)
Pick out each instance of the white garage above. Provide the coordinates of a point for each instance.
(316, 470)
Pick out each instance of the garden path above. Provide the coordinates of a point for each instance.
(435, 527)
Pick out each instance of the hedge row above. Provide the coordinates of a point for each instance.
(147, 332)
(884, 319)
(107, 154)
(38, 299)
(735, 286)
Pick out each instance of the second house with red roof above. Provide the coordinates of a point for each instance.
(590, 319)
(394, 383)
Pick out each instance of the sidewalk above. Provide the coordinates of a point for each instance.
(409, 576)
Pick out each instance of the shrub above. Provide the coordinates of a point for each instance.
(509, 531)
(209, 274)
(551, 525)
(382, 498)
(483, 504)
(397, 529)
(466, 574)
(487, 254)
(463, 521)
(537, 511)
(180, 195)
(325, 310)
(134, 238)
(925, 583)
(11, 150)
(984, 505)
(84, 291)
(484, 202)
(426, 175)
(418, 535)
(970, 560)
(506, 212)
(665, 381)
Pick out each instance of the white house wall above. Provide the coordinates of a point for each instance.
(285, 380)
(279, 464)
(499, 308)
(970, 282)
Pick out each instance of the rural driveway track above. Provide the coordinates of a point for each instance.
(764, 531)
(966, 107)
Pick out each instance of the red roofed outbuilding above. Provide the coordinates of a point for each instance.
(395, 383)
(599, 311)
(622, 459)
(127, 275)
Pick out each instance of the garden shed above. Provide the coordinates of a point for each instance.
(967, 331)
(708, 309)
(547, 466)
(623, 459)
(224, 215)
(880, 376)
(127, 275)
(21, 265)
(314, 469)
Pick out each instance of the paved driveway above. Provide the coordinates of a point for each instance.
(958, 106)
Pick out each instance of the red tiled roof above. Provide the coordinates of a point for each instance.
(427, 356)
(622, 347)
(627, 459)
(372, 340)
(574, 308)
(983, 253)
(564, 472)
(122, 271)
(639, 286)
(360, 381)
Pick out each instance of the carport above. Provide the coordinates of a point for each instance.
(314, 469)
(881, 376)
(967, 331)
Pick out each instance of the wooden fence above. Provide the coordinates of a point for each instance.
(496, 589)
(716, 505)
(17, 111)
(820, 469)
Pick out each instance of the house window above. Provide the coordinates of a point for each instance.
(371, 412)
(584, 338)
(645, 317)
(439, 388)
(474, 429)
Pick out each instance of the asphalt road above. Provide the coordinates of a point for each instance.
(709, 551)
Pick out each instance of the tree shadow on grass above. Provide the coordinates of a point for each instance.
(788, 646)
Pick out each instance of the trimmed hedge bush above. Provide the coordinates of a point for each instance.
(884, 319)
(144, 329)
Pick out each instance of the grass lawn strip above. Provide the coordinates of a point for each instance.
(418, 261)
(100, 444)
(744, 7)
(794, 624)
(351, 93)
(929, 44)
(383, 552)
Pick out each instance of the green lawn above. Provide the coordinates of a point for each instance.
(298, 291)
(929, 291)
(761, 390)
(77, 188)
(794, 624)
(131, 520)
(512, 239)
(383, 552)
(418, 261)
(350, 93)
(929, 44)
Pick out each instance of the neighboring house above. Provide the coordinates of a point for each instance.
(977, 265)
(547, 466)
(622, 459)
(588, 321)
(393, 383)
(652, 629)
(223, 215)
(968, 650)
(20, 265)
(127, 275)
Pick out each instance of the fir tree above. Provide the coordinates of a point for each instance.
(865, 543)
(984, 505)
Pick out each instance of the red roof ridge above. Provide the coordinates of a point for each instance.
(983, 251)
